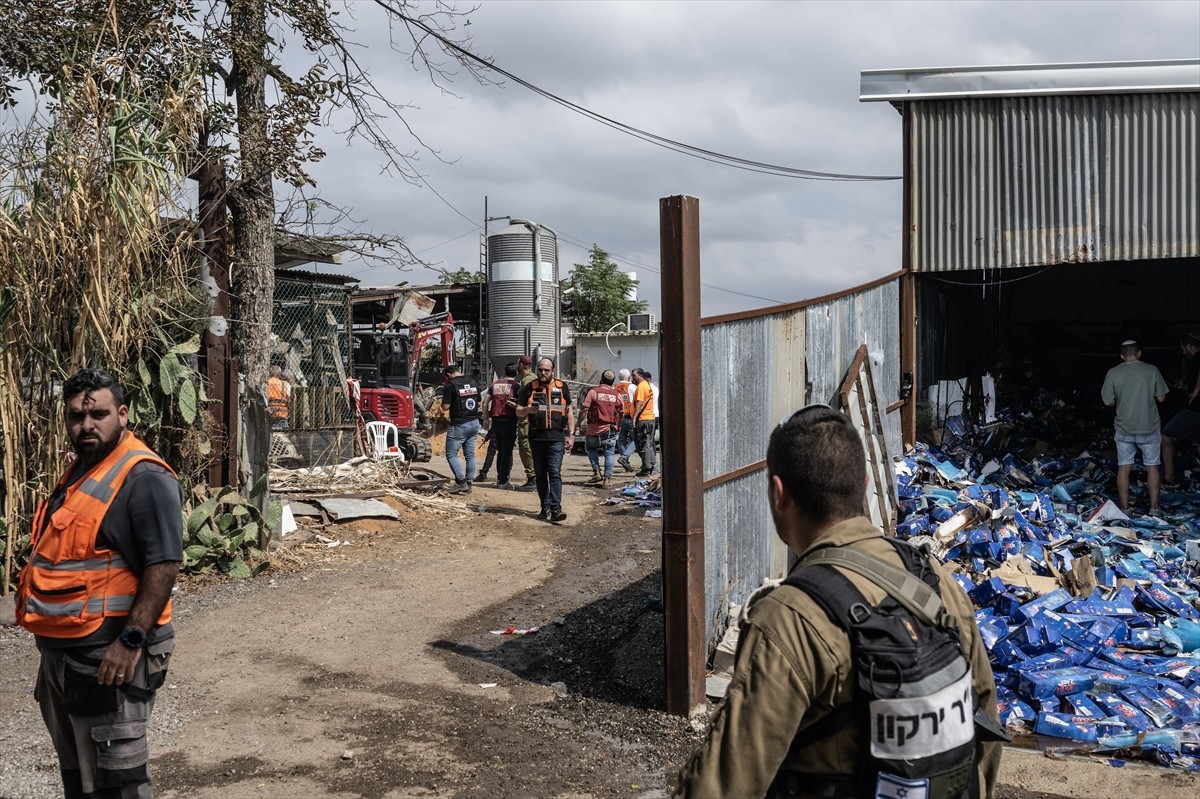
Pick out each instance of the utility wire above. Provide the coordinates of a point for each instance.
(661, 141)
(655, 270)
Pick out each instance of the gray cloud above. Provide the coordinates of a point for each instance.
(776, 82)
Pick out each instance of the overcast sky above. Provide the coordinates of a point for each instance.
(776, 82)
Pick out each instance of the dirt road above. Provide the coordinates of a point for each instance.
(369, 671)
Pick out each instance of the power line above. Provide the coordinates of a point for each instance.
(657, 271)
(660, 141)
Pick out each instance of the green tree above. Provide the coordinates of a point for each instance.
(260, 110)
(461, 276)
(596, 295)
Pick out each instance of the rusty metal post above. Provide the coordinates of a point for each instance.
(214, 274)
(908, 294)
(683, 456)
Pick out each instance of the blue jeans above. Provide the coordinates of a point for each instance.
(606, 443)
(626, 445)
(547, 470)
(462, 436)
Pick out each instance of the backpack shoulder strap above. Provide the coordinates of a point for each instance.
(906, 588)
(836, 595)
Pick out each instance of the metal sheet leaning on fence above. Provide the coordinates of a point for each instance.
(794, 665)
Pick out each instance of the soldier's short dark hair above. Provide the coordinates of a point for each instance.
(85, 381)
(510, 370)
(818, 456)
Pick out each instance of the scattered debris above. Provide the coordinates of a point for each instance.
(342, 509)
(512, 630)
(643, 493)
(488, 684)
(1088, 613)
(560, 689)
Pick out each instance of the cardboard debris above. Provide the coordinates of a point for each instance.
(1089, 614)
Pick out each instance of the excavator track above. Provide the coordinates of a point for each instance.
(416, 449)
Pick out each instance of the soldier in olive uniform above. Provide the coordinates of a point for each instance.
(793, 664)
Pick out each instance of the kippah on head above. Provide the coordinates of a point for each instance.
(1129, 343)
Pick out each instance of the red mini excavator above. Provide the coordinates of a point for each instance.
(387, 372)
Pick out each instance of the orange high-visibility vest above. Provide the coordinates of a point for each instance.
(277, 400)
(626, 403)
(69, 587)
(552, 406)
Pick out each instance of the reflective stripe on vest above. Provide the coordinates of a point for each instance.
(69, 587)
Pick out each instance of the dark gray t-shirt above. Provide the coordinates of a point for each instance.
(145, 524)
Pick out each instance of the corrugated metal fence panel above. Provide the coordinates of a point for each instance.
(735, 357)
(837, 328)
(760, 370)
(739, 546)
(1029, 181)
(758, 364)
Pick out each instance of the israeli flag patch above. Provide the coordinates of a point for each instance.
(889, 786)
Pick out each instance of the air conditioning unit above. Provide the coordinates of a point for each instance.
(640, 321)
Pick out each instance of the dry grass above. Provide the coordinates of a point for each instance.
(92, 271)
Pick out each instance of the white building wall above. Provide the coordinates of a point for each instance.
(592, 355)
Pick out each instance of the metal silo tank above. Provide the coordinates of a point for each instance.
(523, 302)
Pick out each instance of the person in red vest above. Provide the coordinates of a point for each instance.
(501, 421)
(105, 549)
(601, 411)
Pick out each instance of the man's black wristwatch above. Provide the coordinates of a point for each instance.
(133, 637)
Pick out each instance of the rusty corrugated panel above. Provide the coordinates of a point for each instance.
(1033, 181)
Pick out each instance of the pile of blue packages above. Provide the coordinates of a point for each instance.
(1088, 614)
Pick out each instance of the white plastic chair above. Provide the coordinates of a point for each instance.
(384, 440)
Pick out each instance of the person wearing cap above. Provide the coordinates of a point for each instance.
(1185, 424)
(524, 378)
(460, 397)
(1135, 388)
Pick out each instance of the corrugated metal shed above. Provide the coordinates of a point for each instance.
(1033, 181)
(1048, 164)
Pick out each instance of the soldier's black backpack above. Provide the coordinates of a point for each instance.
(915, 700)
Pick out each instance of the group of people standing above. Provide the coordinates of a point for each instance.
(531, 410)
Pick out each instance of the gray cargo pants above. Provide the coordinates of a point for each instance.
(99, 731)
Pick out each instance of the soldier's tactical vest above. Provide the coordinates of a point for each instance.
(915, 700)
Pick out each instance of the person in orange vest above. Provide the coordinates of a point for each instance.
(278, 392)
(625, 439)
(546, 403)
(105, 549)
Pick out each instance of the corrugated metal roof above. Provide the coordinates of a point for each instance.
(1031, 181)
(1114, 77)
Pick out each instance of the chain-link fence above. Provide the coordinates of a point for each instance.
(310, 342)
